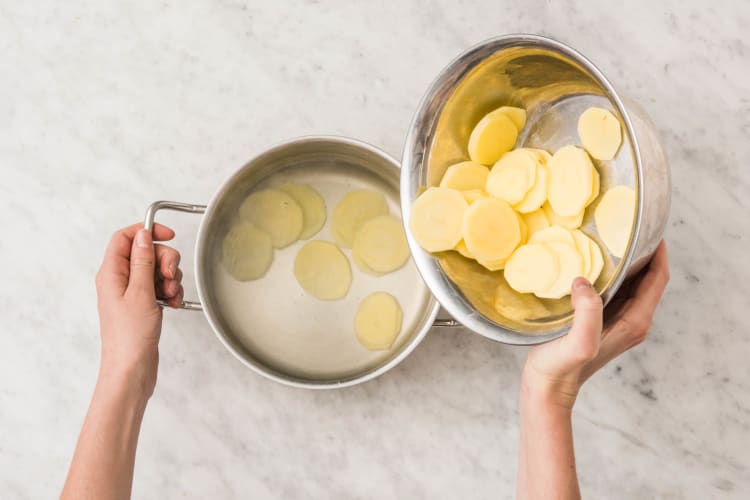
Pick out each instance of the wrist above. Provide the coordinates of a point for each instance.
(547, 393)
(134, 377)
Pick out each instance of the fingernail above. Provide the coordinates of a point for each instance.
(581, 283)
(143, 239)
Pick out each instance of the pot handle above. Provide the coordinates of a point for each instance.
(445, 322)
(148, 224)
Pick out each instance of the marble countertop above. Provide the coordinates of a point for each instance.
(107, 106)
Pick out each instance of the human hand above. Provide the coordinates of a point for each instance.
(554, 372)
(134, 272)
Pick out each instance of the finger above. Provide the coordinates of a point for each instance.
(168, 260)
(654, 282)
(169, 288)
(142, 262)
(176, 301)
(585, 335)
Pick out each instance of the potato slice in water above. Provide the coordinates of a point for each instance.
(323, 270)
(275, 213)
(493, 136)
(378, 321)
(436, 218)
(516, 115)
(381, 244)
(464, 250)
(537, 195)
(594, 187)
(553, 234)
(464, 176)
(597, 262)
(362, 266)
(571, 266)
(512, 176)
(535, 221)
(532, 268)
(472, 195)
(247, 252)
(614, 218)
(313, 207)
(600, 133)
(491, 230)
(559, 220)
(570, 180)
(354, 209)
(582, 244)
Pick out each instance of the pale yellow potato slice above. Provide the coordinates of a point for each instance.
(378, 321)
(491, 230)
(323, 270)
(512, 176)
(464, 250)
(570, 180)
(524, 229)
(494, 265)
(516, 115)
(600, 133)
(465, 176)
(436, 218)
(532, 268)
(362, 266)
(537, 195)
(354, 209)
(553, 234)
(275, 213)
(595, 184)
(247, 252)
(381, 244)
(614, 218)
(313, 207)
(535, 221)
(556, 219)
(597, 262)
(584, 248)
(541, 155)
(472, 195)
(571, 266)
(493, 136)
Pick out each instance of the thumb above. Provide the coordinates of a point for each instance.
(142, 261)
(585, 336)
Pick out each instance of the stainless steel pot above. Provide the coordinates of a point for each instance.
(270, 325)
(554, 83)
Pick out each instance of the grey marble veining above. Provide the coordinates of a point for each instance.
(107, 106)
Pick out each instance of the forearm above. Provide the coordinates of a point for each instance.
(546, 467)
(102, 465)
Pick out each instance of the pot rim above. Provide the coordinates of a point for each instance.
(211, 316)
(427, 266)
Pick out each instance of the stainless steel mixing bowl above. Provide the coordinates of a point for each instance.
(554, 83)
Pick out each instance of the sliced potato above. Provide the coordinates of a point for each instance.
(584, 248)
(524, 229)
(512, 176)
(600, 133)
(472, 195)
(491, 230)
(614, 218)
(493, 136)
(436, 218)
(362, 266)
(532, 268)
(537, 195)
(597, 262)
(464, 250)
(594, 188)
(247, 252)
(323, 270)
(570, 180)
(541, 155)
(553, 234)
(313, 207)
(535, 221)
(381, 244)
(275, 213)
(354, 209)
(516, 115)
(465, 176)
(559, 220)
(493, 265)
(378, 321)
(571, 266)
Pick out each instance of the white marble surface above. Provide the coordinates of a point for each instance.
(107, 105)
